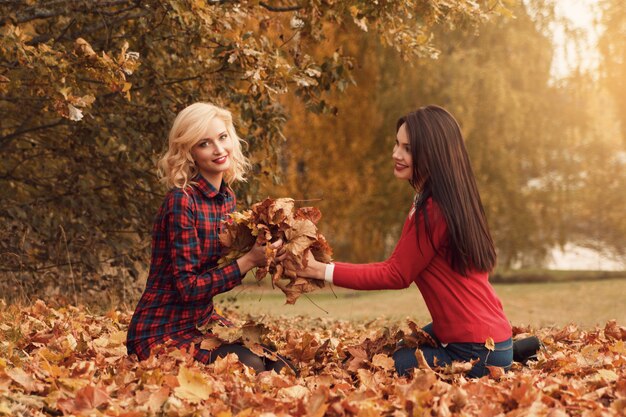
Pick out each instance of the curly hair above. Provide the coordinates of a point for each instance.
(177, 168)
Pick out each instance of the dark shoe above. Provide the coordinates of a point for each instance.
(526, 349)
(281, 363)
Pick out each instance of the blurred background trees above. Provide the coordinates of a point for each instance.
(88, 91)
(547, 152)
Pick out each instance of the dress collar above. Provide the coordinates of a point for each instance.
(207, 188)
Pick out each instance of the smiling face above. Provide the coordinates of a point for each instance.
(212, 153)
(403, 161)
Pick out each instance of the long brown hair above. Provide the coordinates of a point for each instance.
(442, 170)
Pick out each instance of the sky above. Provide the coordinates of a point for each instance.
(581, 14)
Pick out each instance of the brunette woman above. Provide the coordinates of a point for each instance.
(445, 248)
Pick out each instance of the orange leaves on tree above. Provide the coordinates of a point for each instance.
(265, 223)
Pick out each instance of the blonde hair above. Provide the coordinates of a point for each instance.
(176, 167)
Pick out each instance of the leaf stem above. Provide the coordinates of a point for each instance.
(314, 303)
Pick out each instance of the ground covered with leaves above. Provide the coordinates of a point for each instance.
(67, 361)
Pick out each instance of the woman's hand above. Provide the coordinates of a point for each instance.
(315, 269)
(257, 256)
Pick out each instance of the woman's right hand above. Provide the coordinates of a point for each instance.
(314, 269)
(257, 256)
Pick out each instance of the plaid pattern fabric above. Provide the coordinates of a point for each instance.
(183, 273)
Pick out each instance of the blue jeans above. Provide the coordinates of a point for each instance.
(501, 356)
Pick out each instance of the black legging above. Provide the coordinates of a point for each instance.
(254, 361)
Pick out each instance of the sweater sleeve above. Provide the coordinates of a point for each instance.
(193, 284)
(413, 252)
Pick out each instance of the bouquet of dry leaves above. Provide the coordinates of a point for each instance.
(268, 221)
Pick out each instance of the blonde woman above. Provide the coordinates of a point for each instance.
(203, 158)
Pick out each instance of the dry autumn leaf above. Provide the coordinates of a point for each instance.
(383, 361)
(24, 379)
(268, 221)
(210, 343)
(490, 344)
(421, 360)
(87, 399)
(193, 387)
(418, 337)
(345, 369)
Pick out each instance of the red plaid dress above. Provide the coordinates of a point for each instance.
(183, 273)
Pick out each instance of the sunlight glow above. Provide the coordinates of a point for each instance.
(581, 15)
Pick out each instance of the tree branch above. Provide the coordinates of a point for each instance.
(263, 4)
(279, 9)
(52, 9)
(5, 139)
(88, 30)
(9, 174)
(36, 13)
(64, 31)
(180, 80)
(60, 196)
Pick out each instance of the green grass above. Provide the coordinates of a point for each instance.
(544, 275)
(585, 303)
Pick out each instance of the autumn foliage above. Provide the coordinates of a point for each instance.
(67, 361)
(89, 89)
(267, 222)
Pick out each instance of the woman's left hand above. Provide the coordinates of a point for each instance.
(257, 256)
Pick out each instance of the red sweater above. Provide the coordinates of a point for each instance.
(464, 309)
